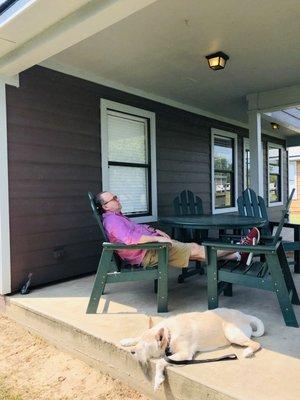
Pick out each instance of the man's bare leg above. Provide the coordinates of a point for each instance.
(198, 253)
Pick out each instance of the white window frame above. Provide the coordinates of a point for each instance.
(246, 146)
(219, 132)
(277, 146)
(290, 162)
(106, 105)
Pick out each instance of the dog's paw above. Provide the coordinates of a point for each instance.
(127, 342)
(158, 381)
(247, 353)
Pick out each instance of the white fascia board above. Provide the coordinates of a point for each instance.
(81, 24)
(17, 8)
(5, 266)
(10, 80)
(273, 100)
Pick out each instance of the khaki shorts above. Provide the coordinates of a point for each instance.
(179, 255)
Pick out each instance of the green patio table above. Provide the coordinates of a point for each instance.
(216, 221)
(200, 224)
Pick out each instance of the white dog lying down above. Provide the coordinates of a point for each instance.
(185, 334)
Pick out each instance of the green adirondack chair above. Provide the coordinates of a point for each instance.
(111, 269)
(187, 203)
(272, 274)
(250, 204)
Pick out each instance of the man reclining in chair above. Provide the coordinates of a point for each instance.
(121, 229)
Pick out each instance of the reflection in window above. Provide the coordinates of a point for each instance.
(247, 168)
(274, 157)
(224, 171)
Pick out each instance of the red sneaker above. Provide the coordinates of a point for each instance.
(250, 240)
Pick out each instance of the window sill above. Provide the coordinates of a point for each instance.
(144, 219)
(224, 210)
(278, 203)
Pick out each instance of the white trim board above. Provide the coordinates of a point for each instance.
(86, 21)
(10, 80)
(5, 265)
(273, 100)
(246, 146)
(112, 105)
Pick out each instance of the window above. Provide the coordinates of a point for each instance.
(129, 159)
(247, 162)
(275, 174)
(293, 177)
(224, 171)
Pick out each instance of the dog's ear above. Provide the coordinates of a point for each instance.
(162, 337)
(150, 323)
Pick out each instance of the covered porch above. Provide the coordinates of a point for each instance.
(57, 313)
(93, 60)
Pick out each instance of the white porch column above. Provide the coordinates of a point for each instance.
(256, 157)
(5, 274)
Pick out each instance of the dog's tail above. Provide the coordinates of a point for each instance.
(257, 326)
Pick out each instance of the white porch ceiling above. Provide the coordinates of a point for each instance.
(161, 50)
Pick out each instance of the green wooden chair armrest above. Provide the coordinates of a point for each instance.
(143, 246)
(232, 246)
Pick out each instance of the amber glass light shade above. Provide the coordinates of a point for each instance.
(217, 60)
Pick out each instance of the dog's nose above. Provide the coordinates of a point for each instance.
(132, 352)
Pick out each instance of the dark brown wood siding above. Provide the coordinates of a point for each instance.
(54, 159)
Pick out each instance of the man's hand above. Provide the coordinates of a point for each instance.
(163, 234)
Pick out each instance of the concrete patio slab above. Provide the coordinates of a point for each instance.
(57, 312)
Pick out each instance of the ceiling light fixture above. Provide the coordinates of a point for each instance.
(274, 125)
(217, 60)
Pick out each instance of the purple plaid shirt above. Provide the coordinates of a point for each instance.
(121, 229)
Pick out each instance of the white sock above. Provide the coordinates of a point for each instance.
(238, 256)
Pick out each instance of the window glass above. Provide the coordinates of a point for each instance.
(223, 171)
(127, 139)
(223, 192)
(223, 153)
(132, 188)
(274, 159)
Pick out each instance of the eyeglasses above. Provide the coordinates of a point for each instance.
(114, 198)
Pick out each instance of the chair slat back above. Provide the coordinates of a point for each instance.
(98, 217)
(251, 205)
(263, 208)
(115, 259)
(188, 204)
(284, 218)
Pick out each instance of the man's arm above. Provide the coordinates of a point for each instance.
(159, 239)
(158, 231)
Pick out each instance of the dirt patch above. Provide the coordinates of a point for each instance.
(30, 368)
